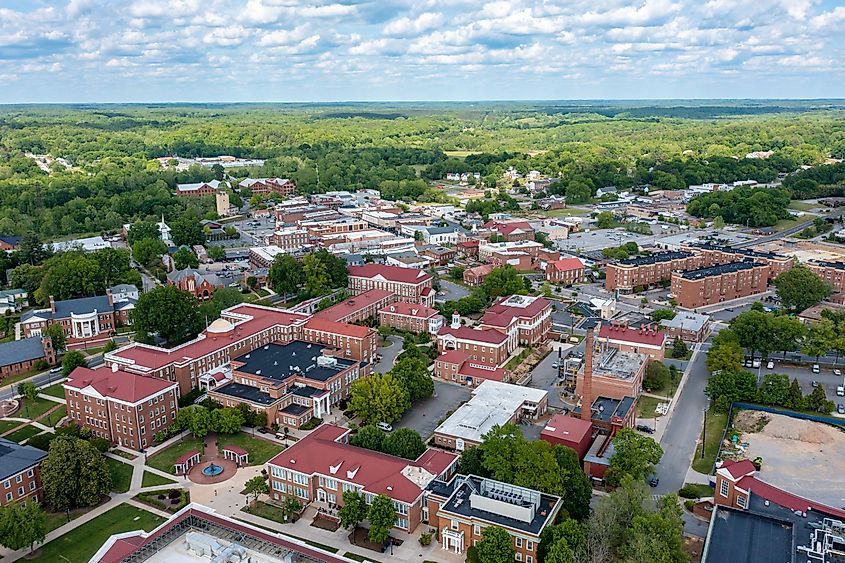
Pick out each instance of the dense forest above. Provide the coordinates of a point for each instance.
(397, 148)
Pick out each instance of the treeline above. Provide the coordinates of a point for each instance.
(825, 180)
(753, 207)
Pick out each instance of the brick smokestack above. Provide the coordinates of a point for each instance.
(587, 395)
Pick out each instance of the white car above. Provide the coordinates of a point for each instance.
(384, 426)
(837, 372)
(770, 365)
(756, 363)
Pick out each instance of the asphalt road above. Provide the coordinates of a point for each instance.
(388, 354)
(543, 376)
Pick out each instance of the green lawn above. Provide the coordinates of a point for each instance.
(80, 544)
(646, 406)
(54, 417)
(153, 480)
(265, 510)
(518, 359)
(164, 460)
(700, 489)
(6, 425)
(802, 205)
(716, 422)
(784, 224)
(54, 391)
(33, 409)
(23, 434)
(260, 450)
(121, 475)
(566, 212)
(58, 519)
(357, 557)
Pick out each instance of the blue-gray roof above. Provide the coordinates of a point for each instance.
(81, 306)
(15, 458)
(21, 350)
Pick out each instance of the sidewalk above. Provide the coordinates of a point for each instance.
(662, 422)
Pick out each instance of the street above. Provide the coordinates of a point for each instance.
(544, 376)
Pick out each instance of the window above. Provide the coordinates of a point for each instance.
(518, 556)
(19, 478)
(7, 484)
(402, 523)
(454, 525)
(32, 485)
(30, 473)
(8, 496)
(529, 559)
(741, 501)
(476, 530)
(518, 542)
(529, 545)
(723, 488)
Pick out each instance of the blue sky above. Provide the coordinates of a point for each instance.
(287, 50)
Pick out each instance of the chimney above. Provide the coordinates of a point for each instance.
(587, 394)
(52, 305)
(110, 296)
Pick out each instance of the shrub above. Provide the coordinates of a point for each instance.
(689, 504)
(688, 492)
(425, 538)
(312, 424)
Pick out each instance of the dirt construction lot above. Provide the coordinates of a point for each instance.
(800, 456)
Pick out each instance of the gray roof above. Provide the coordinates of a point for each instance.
(21, 350)
(178, 275)
(686, 320)
(441, 230)
(122, 288)
(15, 458)
(82, 305)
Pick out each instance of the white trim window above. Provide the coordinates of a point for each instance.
(723, 488)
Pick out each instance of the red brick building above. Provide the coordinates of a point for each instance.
(716, 284)
(469, 248)
(566, 271)
(475, 276)
(290, 239)
(486, 345)
(529, 318)
(459, 367)
(714, 255)
(411, 317)
(20, 472)
(359, 308)
(833, 273)
(574, 433)
(647, 271)
(266, 186)
(199, 189)
(351, 341)
(22, 355)
(195, 282)
(409, 284)
(646, 340)
(511, 231)
(320, 467)
(124, 408)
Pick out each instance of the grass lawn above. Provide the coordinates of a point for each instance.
(802, 205)
(6, 425)
(77, 546)
(260, 450)
(518, 359)
(716, 422)
(460, 154)
(646, 406)
(153, 480)
(700, 489)
(265, 510)
(784, 224)
(164, 460)
(23, 434)
(121, 475)
(54, 391)
(54, 417)
(34, 409)
(58, 519)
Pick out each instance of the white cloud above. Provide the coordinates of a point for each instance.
(407, 26)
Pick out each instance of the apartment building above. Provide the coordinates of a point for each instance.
(646, 340)
(124, 408)
(349, 341)
(530, 318)
(320, 467)
(647, 271)
(409, 284)
(715, 255)
(359, 308)
(198, 189)
(566, 271)
(290, 239)
(262, 257)
(267, 186)
(510, 231)
(459, 367)
(716, 284)
(487, 345)
(20, 472)
(833, 273)
(461, 508)
(411, 317)
(291, 382)
(88, 321)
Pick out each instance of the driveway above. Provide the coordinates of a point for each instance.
(544, 376)
(388, 354)
(427, 414)
(453, 291)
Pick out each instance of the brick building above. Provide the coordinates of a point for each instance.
(124, 408)
(359, 308)
(198, 189)
(290, 239)
(411, 317)
(201, 285)
(486, 345)
(833, 273)
(641, 340)
(530, 318)
(647, 271)
(22, 355)
(320, 467)
(20, 472)
(714, 255)
(510, 231)
(409, 284)
(9, 242)
(688, 326)
(87, 321)
(350, 341)
(566, 271)
(291, 382)
(459, 367)
(574, 433)
(266, 186)
(716, 284)
(475, 276)
(614, 374)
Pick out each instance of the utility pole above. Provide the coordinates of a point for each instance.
(704, 433)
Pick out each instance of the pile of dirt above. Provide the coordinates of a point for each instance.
(786, 428)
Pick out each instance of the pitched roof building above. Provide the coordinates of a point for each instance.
(409, 284)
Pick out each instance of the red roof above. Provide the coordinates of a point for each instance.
(236, 449)
(508, 228)
(738, 469)
(185, 457)
(469, 243)
(344, 329)
(567, 264)
(353, 305)
(479, 370)
(641, 335)
(453, 357)
(410, 310)
(486, 335)
(118, 385)
(783, 498)
(376, 472)
(569, 428)
(390, 273)
(502, 314)
(480, 271)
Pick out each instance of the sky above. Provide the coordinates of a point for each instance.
(82, 51)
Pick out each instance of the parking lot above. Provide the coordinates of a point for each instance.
(425, 416)
(544, 375)
(825, 378)
(255, 231)
(452, 291)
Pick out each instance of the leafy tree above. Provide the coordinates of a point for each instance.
(28, 390)
(317, 281)
(503, 280)
(142, 230)
(796, 397)
(413, 373)
(635, 455)
(382, 517)
(656, 536)
(290, 508)
(22, 525)
(74, 474)
(370, 437)
(787, 332)
(73, 360)
(577, 490)
(147, 251)
(285, 274)
(821, 337)
(216, 253)
(568, 533)
(472, 462)
(184, 258)
(775, 390)
(663, 314)
(379, 398)
(733, 386)
(724, 357)
(510, 458)
(222, 298)
(227, 420)
(354, 509)
(798, 288)
(31, 249)
(170, 312)
(817, 401)
(200, 422)
(605, 220)
(753, 330)
(718, 223)
(495, 546)
(404, 442)
(57, 336)
(335, 267)
(255, 486)
(679, 349)
(187, 231)
(70, 275)
(656, 375)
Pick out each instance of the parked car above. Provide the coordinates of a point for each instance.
(840, 391)
(755, 364)
(748, 363)
(645, 428)
(384, 426)
(837, 372)
(816, 368)
(556, 365)
(840, 408)
(653, 481)
(814, 383)
(770, 365)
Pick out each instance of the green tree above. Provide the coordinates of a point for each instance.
(817, 401)
(226, 420)
(568, 533)
(787, 332)
(679, 349)
(57, 336)
(291, 508)
(724, 357)
(379, 398)
(70, 275)
(577, 490)
(74, 473)
(753, 330)
(110, 346)
(32, 250)
(718, 223)
(370, 437)
(821, 337)
(495, 546)
(605, 220)
(382, 517)
(472, 462)
(510, 458)
(656, 536)
(656, 376)
(798, 288)
(775, 390)
(503, 280)
(147, 251)
(22, 525)
(184, 258)
(404, 442)
(187, 231)
(200, 422)
(256, 487)
(335, 267)
(635, 455)
(663, 314)
(733, 386)
(317, 281)
(169, 312)
(796, 397)
(73, 360)
(285, 274)
(354, 509)
(142, 230)
(216, 253)
(222, 298)
(413, 373)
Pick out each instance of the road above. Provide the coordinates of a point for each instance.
(544, 376)
(43, 379)
(786, 232)
(388, 354)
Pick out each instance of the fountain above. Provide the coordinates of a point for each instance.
(212, 470)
